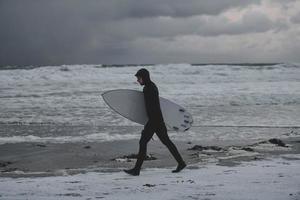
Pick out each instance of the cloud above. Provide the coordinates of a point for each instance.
(250, 22)
(50, 32)
(296, 18)
(259, 47)
(179, 8)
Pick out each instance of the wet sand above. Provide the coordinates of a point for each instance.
(48, 159)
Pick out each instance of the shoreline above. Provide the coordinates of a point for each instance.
(50, 159)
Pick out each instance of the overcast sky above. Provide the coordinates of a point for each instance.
(55, 32)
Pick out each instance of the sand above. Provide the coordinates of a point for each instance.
(42, 159)
(267, 169)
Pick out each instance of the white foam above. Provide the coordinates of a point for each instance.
(99, 137)
(271, 147)
(234, 152)
(214, 94)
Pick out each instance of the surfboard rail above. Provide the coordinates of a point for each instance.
(130, 104)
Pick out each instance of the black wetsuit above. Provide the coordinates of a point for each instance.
(155, 124)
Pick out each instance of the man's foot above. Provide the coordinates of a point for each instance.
(179, 168)
(133, 172)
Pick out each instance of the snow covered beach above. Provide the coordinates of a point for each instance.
(262, 170)
(275, 178)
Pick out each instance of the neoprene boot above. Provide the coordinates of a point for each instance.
(133, 172)
(180, 167)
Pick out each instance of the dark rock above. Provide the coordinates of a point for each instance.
(131, 156)
(277, 142)
(70, 195)
(248, 149)
(4, 164)
(257, 158)
(201, 148)
(191, 181)
(150, 157)
(215, 148)
(41, 145)
(197, 148)
(194, 154)
(149, 185)
(87, 147)
(262, 142)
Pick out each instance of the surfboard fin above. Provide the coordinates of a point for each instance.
(175, 128)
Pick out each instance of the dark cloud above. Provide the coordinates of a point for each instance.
(179, 8)
(296, 18)
(50, 32)
(251, 22)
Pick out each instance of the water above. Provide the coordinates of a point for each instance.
(64, 104)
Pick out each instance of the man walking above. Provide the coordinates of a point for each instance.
(155, 124)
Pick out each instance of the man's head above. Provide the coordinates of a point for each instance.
(143, 76)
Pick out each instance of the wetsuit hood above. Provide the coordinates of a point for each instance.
(144, 74)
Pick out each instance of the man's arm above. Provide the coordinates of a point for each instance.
(149, 96)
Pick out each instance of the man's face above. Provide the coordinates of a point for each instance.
(140, 80)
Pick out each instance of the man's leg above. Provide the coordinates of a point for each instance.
(163, 136)
(146, 136)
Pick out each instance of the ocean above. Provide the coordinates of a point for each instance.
(229, 102)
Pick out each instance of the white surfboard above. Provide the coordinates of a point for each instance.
(131, 105)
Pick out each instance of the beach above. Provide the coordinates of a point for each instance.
(35, 159)
(262, 170)
(274, 179)
(59, 140)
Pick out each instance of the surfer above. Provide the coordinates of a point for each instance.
(155, 124)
